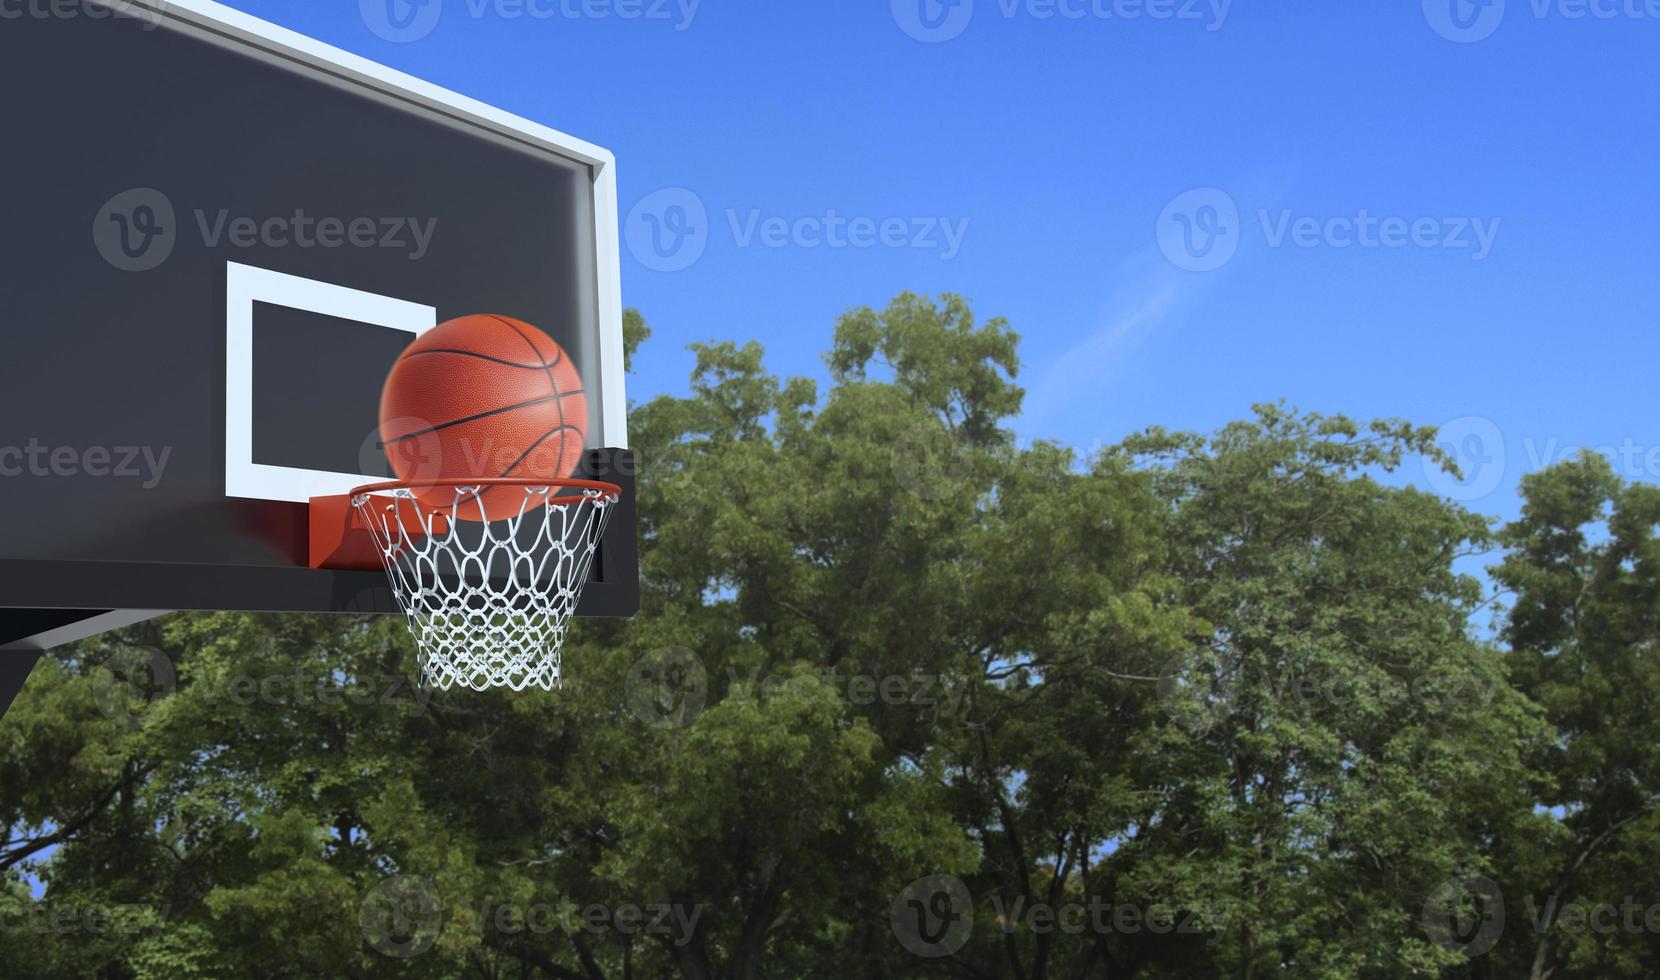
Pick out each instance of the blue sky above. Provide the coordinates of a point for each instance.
(1165, 198)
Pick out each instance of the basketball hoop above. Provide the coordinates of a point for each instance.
(487, 589)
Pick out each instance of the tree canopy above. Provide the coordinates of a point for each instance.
(907, 697)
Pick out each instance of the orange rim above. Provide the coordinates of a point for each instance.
(611, 491)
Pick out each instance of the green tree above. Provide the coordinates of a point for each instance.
(1584, 631)
(1223, 688)
(1268, 745)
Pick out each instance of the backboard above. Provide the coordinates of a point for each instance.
(218, 235)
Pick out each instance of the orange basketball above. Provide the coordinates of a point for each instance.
(483, 396)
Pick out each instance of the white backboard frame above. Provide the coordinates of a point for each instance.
(246, 285)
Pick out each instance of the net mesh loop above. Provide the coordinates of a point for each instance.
(488, 601)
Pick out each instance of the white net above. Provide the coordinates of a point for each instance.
(488, 601)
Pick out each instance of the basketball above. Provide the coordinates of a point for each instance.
(483, 396)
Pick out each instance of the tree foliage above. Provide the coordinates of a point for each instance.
(906, 698)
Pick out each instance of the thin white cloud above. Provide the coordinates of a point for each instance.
(1150, 294)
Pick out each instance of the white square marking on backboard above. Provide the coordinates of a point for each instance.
(246, 285)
